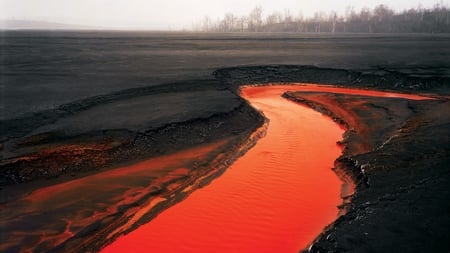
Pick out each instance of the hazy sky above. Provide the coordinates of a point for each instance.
(172, 14)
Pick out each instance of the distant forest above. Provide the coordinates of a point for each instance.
(380, 19)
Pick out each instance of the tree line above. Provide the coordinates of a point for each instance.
(380, 19)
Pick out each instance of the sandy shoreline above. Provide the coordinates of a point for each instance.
(419, 145)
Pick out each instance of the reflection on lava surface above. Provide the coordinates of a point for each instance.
(276, 198)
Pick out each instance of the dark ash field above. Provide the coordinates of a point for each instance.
(75, 103)
(42, 70)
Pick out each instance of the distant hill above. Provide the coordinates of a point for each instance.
(41, 25)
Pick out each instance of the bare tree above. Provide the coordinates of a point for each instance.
(382, 12)
(318, 19)
(242, 24)
(300, 22)
(365, 17)
(230, 23)
(255, 19)
(272, 19)
(333, 20)
(379, 19)
(207, 24)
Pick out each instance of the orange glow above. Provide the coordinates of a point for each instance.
(280, 88)
(276, 198)
(53, 214)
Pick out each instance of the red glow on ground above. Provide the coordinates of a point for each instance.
(64, 209)
(279, 88)
(276, 198)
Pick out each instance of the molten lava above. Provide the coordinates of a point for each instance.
(277, 198)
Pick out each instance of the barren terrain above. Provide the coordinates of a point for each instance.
(75, 104)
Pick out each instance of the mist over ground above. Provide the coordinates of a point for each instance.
(182, 15)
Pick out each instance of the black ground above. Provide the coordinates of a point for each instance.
(128, 96)
(397, 152)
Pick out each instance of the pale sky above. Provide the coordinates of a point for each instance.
(172, 14)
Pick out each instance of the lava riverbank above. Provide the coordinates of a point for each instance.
(397, 153)
(400, 166)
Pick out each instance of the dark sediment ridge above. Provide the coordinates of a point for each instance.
(397, 154)
(98, 235)
(400, 168)
(99, 133)
(134, 126)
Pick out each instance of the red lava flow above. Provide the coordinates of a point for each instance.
(281, 88)
(51, 215)
(276, 198)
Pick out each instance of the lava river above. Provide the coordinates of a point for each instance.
(276, 198)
